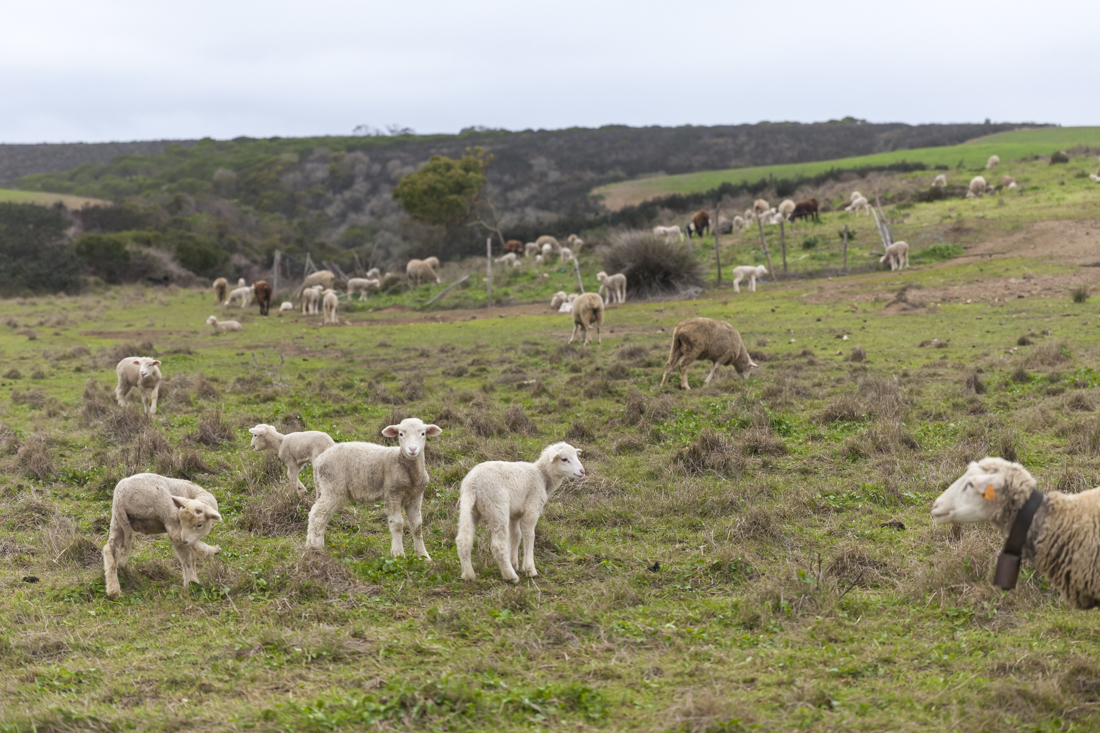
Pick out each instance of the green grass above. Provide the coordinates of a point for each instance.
(47, 199)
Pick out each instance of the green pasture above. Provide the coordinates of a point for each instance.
(12, 196)
(750, 555)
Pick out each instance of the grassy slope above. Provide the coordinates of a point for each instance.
(1008, 145)
(47, 199)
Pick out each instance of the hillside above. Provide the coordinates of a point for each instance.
(17, 161)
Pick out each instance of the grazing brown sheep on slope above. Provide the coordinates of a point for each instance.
(513, 245)
(221, 288)
(588, 314)
(706, 338)
(806, 208)
(262, 289)
(700, 224)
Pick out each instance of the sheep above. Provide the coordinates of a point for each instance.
(1013, 184)
(587, 314)
(786, 208)
(978, 188)
(221, 287)
(566, 307)
(670, 233)
(240, 283)
(509, 258)
(546, 239)
(547, 250)
(244, 293)
(750, 216)
(1095, 177)
(575, 241)
(1007, 180)
(286, 306)
(760, 206)
(432, 262)
(362, 285)
(559, 298)
(311, 300)
(421, 270)
(858, 205)
(700, 223)
(706, 338)
(365, 472)
(331, 303)
(1062, 542)
(749, 271)
(293, 449)
(324, 278)
(615, 284)
(538, 259)
(509, 497)
(993, 162)
(806, 208)
(141, 372)
(531, 249)
(373, 273)
(566, 255)
(939, 181)
(898, 254)
(223, 326)
(856, 195)
(150, 504)
(263, 292)
(739, 223)
(513, 246)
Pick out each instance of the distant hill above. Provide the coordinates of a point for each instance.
(17, 161)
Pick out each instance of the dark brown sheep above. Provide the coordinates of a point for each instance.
(514, 245)
(806, 208)
(706, 338)
(262, 290)
(700, 224)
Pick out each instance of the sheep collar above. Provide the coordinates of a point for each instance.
(1008, 562)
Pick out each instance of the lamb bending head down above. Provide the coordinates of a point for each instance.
(196, 519)
(412, 435)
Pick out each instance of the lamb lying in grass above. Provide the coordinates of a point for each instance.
(143, 373)
(509, 497)
(223, 326)
(1063, 541)
(150, 504)
(294, 449)
(365, 472)
(706, 338)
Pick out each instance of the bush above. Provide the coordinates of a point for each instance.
(34, 254)
(938, 253)
(811, 242)
(1059, 157)
(198, 254)
(104, 255)
(652, 266)
(1080, 293)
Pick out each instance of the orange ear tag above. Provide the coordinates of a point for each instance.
(989, 494)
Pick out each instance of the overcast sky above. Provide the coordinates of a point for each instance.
(73, 70)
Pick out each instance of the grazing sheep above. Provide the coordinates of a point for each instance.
(670, 233)
(538, 259)
(365, 472)
(262, 290)
(1013, 184)
(509, 258)
(286, 306)
(701, 222)
(750, 215)
(531, 249)
(993, 162)
(547, 250)
(939, 181)
(418, 270)
(374, 274)
(786, 208)
(587, 314)
(221, 287)
(856, 195)
(760, 206)
(150, 504)
(141, 372)
(311, 300)
(566, 255)
(244, 293)
(324, 278)
(1063, 540)
(294, 449)
(739, 223)
(898, 254)
(513, 246)
(749, 271)
(616, 286)
(223, 326)
(559, 298)
(978, 188)
(1095, 177)
(546, 239)
(331, 303)
(858, 205)
(806, 208)
(509, 497)
(362, 285)
(575, 241)
(1007, 180)
(706, 338)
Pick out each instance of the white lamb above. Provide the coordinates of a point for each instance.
(538, 259)
(566, 307)
(858, 205)
(294, 449)
(567, 255)
(615, 284)
(311, 299)
(286, 306)
(150, 504)
(362, 285)
(1093, 176)
(365, 472)
(531, 249)
(240, 283)
(559, 298)
(670, 233)
(374, 274)
(898, 254)
(786, 208)
(547, 249)
(331, 303)
(143, 373)
(993, 162)
(223, 326)
(739, 223)
(575, 241)
(939, 181)
(749, 271)
(244, 294)
(509, 497)
(978, 188)
(856, 195)
(509, 257)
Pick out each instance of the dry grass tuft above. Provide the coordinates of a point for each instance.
(212, 429)
(1047, 354)
(120, 426)
(517, 421)
(276, 513)
(64, 543)
(973, 383)
(34, 458)
(9, 440)
(413, 387)
(711, 452)
(633, 407)
(857, 354)
(485, 424)
(1078, 401)
(579, 432)
(13, 373)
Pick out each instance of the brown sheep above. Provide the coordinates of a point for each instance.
(324, 278)
(513, 245)
(588, 314)
(706, 338)
(806, 208)
(221, 289)
(700, 224)
(263, 291)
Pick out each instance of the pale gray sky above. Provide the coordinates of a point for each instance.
(73, 70)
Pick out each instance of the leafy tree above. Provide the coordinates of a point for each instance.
(104, 254)
(34, 253)
(197, 253)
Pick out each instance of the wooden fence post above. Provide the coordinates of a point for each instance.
(764, 244)
(846, 248)
(489, 268)
(717, 252)
(577, 267)
(783, 244)
(275, 267)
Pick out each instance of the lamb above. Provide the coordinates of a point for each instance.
(1007, 180)
(374, 274)
(223, 326)
(856, 195)
(615, 284)
(978, 188)
(418, 270)
(509, 497)
(362, 285)
(221, 287)
(546, 239)
(324, 278)
(750, 215)
(1062, 542)
(432, 262)
(670, 233)
(706, 338)
(566, 255)
(243, 292)
(240, 283)
(286, 306)
(760, 206)
(898, 254)
(566, 307)
(311, 300)
(575, 241)
(547, 250)
(786, 208)
(141, 372)
(531, 249)
(858, 205)
(993, 162)
(749, 271)
(538, 259)
(588, 314)
(559, 298)
(294, 449)
(1095, 177)
(739, 223)
(263, 292)
(509, 258)
(365, 472)
(331, 303)
(939, 181)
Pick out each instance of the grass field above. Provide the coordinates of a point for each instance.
(1010, 146)
(47, 199)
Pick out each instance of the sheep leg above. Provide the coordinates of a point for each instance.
(673, 357)
(528, 527)
(115, 554)
(153, 399)
(752, 283)
(201, 549)
(319, 517)
(293, 470)
(187, 560)
(468, 517)
(501, 545)
(686, 361)
(121, 391)
(737, 284)
(416, 527)
(713, 369)
(575, 327)
(514, 536)
(397, 528)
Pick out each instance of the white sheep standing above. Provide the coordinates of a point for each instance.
(977, 188)
(546, 239)
(508, 257)
(575, 241)
(566, 255)
(615, 284)
(547, 249)
(142, 372)
(898, 255)
(244, 294)
(331, 303)
(311, 299)
(786, 208)
(362, 285)
(286, 306)
(374, 274)
(509, 497)
(749, 271)
(295, 450)
(939, 181)
(531, 249)
(223, 326)
(670, 233)
(993, 162)
(368, 473)
(858, 205)
(147, 503)
(418, 270)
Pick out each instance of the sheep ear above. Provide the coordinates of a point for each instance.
(579, 451)
(255, 431)
(179, 501)
(156, 363)
(213, 514)
(434, 430)
(137, 361)
(390, 431)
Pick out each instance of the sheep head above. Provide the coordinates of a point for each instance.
(564, 460)
(147, 367)
(262, 436)
(411, 434)
(196, 519)
(979, 494)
